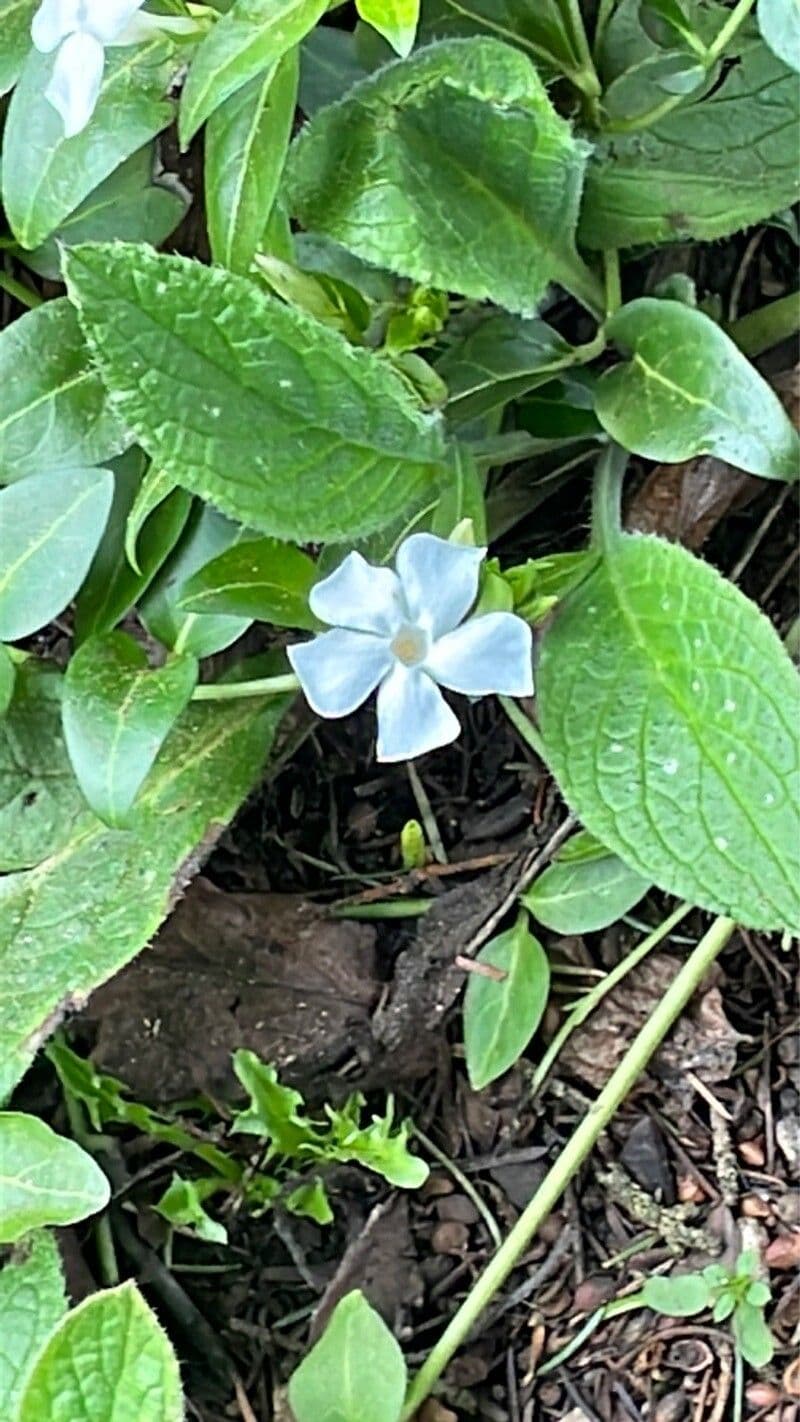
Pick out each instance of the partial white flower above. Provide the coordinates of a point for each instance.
(81, 30)
(400, 632)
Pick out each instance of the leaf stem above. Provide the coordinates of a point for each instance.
(524, 725)
(589, 84)
(591, 999)
(582, 1141)
(607, 497)
(20, 292)
(613, 280)
(759, 330)
(236, 690)
(604, 13)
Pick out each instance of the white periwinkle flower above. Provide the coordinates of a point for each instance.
(404, 633)
(80, 30)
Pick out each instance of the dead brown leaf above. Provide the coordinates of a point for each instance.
(685, 502)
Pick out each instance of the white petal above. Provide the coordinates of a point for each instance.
(440, 580)
(413, 716)
(488, 654)
(75, 85)
(53, 21)
(359, 596)
(106, 19)
(339, 669)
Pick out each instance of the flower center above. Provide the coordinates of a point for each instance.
(410, 644)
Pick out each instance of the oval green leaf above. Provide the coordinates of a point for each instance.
(117, 714)
(50, 526)
(262, 579)
(678, 1297)
(206, 534)
(669, 710)
(32, 1300)
(779, 23)
(355, 1373)
(584, 892)
(109, 1360)
(164, 328)
(501, 1016)
(45, 1179)
(687, 390)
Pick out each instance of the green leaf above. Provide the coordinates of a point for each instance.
(117, 714)
(45, 175)
(45, 1179)
(462, 127)
(668, 708)
(355, 1373)
(274, 1111)
(245, 148)
(500, 1017)
(15, 27)
(129, 206)
(758, 1294)
(54, 411)
(249, 38)
(41, 805)
(182, 1204)
(752, 1336)
(310, 1202)
(396, 20)
(112, 586)
(377, 1146)
(724, 1306)
(109, 1360)
(8, 674)
(779, 23)
(207, 533)
(498, 359)
(678, 1297)
(704, 171)
(32, 1300)
(540, 583)
(687, 390)
(262, 579)
(76, 918)
(584, 894)
(249, 446)
(329, 66)
(154, 489)
(50, 526)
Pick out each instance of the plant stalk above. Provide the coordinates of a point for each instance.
(236, 690)
(759, 330)
(568, 1163)
(607, 498)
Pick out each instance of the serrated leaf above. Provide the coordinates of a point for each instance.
(396, 20)
(262, 579)
(45, 1179)
(77, 917)
(129, 206)
(779, 23)
(45, 175)
(15, 27)
(163, 328)
(678, 1297)
(275, 1111)
(501, 1016)
(329, 66)
(112, 585)
(206, 534)
(355, 1373)
(704, 171)
(377, 1146)
(32, 1300)
(41, 804)
(497, 360)
(584, 893)
(753, 1338)
(109, 1360)
(117, 713)
(464, 126)
(54, 411)
(8, 674)
(182, 1205)
(668, 708)
(245, 148)
(50, 526)
(310, 1202)
(250, 37)
(687, 390)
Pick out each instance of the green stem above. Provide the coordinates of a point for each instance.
(464, 1184)
(590, 1001)
(524, 725)
(585, 77)
(733, 23)
(19, 291)
(607, 497)
(583, 1140)
(236, 690)
(767, 327)
(604, 13)
(613, 280)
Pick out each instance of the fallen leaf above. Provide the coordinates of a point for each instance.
(783, 1252)
(685, 502)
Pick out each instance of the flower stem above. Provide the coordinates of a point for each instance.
(236, 690)
(568, 1163)
(607, 498)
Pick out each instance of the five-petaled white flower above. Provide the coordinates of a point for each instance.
(80, 30)
(400, 632)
